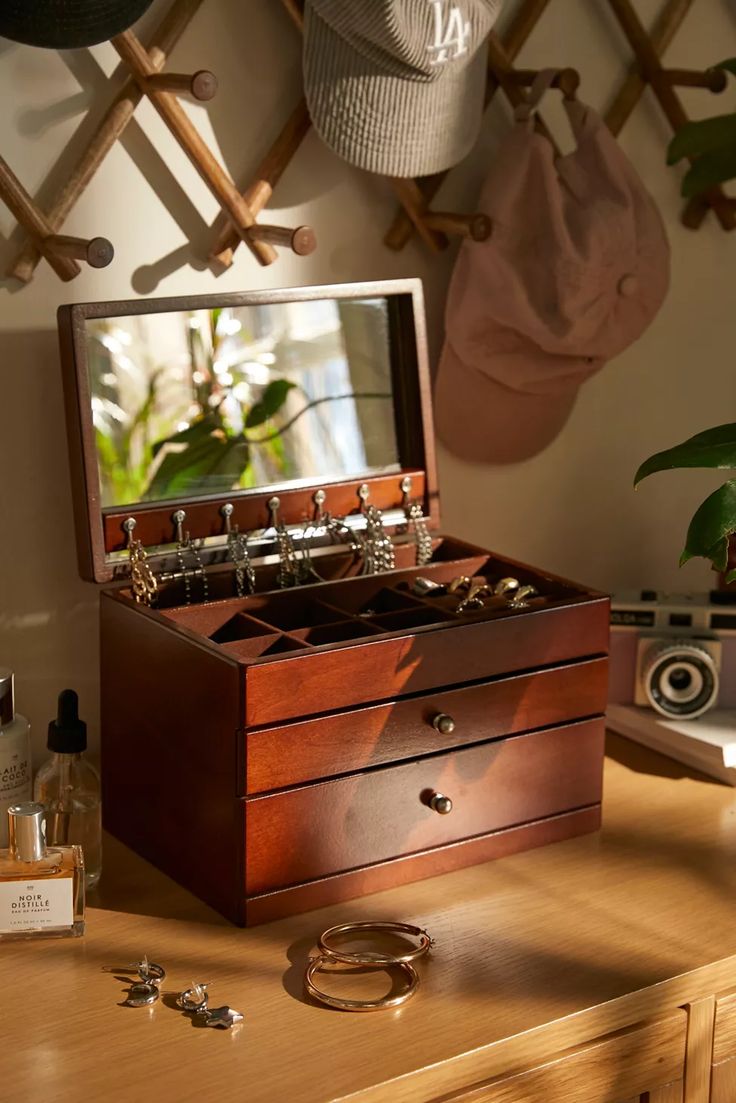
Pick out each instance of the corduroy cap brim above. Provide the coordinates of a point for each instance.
(67, 24)
(394, 124)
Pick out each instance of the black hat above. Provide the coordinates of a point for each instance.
(67, 24)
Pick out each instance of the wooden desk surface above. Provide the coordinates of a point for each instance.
(534, 953)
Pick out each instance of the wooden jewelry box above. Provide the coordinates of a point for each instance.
(278, 750)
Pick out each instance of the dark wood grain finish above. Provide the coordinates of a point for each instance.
(431, 863)
(341, 743)
(317, 681)
(170, 753)
(311, 832)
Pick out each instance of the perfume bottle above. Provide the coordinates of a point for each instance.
(15, 753)
(41, 889)
(68, 786)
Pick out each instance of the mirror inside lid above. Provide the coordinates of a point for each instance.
(192, 404)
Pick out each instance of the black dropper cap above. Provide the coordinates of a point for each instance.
(67, 734)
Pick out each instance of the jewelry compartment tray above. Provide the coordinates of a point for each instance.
(338, 644)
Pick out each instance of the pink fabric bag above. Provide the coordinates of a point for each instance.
(576, 268)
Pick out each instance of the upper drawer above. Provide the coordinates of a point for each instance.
(317, 830)
(341, 743)
(310, 682)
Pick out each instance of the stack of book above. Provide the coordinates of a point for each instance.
(708, 743)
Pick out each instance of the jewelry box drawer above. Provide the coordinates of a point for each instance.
(341, 743)
(312, 682)
(333, 826)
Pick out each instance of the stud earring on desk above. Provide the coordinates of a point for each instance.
(195, 1002)
(146, 990)
(237, 549)
(145, 586)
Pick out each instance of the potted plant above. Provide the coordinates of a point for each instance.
(714, 522)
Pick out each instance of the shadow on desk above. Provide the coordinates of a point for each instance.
(647, 761)
(132, 885)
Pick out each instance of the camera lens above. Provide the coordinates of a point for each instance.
(680, 679)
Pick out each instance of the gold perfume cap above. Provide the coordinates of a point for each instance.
(27, 831)
(7, 705)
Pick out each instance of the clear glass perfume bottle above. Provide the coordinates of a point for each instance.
(68, 786)
(41, 888)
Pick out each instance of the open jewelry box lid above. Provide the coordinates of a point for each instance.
(248, 399)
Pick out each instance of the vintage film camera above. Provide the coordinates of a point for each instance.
(675, 653)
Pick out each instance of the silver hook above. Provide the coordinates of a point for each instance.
(319, 498)
(227, 512)
(179, 517)
(274, 504)
(405, 488)
(129, 528)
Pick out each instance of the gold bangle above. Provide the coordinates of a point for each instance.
(369, 958)
(315, 964)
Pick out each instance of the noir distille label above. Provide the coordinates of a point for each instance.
(28, 905)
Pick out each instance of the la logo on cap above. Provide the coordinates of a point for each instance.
(454, 36)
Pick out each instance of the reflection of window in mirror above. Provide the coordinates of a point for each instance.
(190, 403)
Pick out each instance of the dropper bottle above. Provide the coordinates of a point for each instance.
(68, 786)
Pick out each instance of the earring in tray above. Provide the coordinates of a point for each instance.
(145, 586)
(237, 548)
(185, 547)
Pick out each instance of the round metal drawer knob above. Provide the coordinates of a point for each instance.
(444, 724)
(440, 803)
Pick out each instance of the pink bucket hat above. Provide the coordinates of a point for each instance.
(576, 268)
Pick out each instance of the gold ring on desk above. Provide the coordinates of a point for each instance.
(315, 964)
(370, 958)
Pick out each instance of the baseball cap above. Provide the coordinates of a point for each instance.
(576, 268)
(397, 87)
(67, 24)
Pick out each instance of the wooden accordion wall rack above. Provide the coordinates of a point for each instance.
(240, 209)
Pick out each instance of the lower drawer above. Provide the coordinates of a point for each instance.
(333, 826)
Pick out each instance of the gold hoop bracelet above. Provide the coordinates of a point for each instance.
(369, 958)
(317, 963)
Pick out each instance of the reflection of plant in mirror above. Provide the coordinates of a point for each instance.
(212, 453)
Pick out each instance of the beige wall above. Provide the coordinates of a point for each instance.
(571, 509)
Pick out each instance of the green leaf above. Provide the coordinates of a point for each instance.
(202, 427)
(713, 448)
(731, 576)
(271, 402)
(710, 528)
(702, 136)
(210, 464)
(729, 65)
(709, 170)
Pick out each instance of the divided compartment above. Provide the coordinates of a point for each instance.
(251, 648)
(343, 631)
